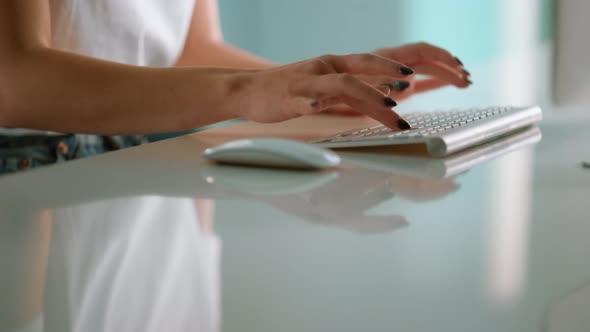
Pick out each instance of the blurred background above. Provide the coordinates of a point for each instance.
(286, 31)
(485, 34)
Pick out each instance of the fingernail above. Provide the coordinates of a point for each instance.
(458, 61)
(466, 72)
(388, 85)
(406, 70)
(389, 102)
(403, 124)
(468, 81)
(400, 85)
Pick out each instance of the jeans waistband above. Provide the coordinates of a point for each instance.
(30, 151)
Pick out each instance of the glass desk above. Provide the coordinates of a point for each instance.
(154, 238)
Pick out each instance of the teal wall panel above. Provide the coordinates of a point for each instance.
(467, 28)
(239, 20)
(292, 30)
(287, 30)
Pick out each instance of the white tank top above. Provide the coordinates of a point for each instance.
(136, 32)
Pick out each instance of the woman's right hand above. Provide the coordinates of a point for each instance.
(314, 85)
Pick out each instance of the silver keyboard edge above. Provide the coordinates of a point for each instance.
(458, 139)
(484, 131)
(472, 157)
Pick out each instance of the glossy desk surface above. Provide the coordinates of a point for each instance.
(154, 238)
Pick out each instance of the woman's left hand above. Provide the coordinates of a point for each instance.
(438, 67)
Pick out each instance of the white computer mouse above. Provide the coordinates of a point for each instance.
(273, 152)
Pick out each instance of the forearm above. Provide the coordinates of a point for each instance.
(219, 54)
(52, 90)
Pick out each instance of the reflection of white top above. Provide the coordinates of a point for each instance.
(137, 264)
(136, 32)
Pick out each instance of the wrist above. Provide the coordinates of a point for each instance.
(237, 93)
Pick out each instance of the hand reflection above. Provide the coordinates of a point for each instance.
(422, 189)
(343, 203)
(341, 199)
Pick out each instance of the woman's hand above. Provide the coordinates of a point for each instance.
(316, 85)
(439, 67)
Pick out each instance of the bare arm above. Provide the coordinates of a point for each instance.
(47, 89)
(205, 46)
(43, 88)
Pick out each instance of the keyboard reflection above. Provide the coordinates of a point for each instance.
(382, 159)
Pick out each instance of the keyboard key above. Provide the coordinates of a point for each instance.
(424, 125)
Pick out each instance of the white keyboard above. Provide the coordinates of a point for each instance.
(443, 132)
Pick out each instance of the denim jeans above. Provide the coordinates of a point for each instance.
(30, 151)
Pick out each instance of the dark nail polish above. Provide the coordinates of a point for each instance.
(388, 85)
(468, 81)
(458, 61)
(403, 124)
(389, 102)
(400, 85)
(406, 70)
(466, 72)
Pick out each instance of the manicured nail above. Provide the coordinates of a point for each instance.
(389, 86)
(400, 85)
(468, 81)
(458, 61)
(389, 102)
(403, 124)
(466, 72)
(406, 70)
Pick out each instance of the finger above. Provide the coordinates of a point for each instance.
(442, 72)
(342, 109)
(386, 116)
(317, 66)
(397, 89)
(342, 106)
(419, 86)
(385, 83)
(367, 63)
(377, 224)
(422, 86)
(424, 52)
(338, 85)
(353, 92)
(397, 86)
(384, 88)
